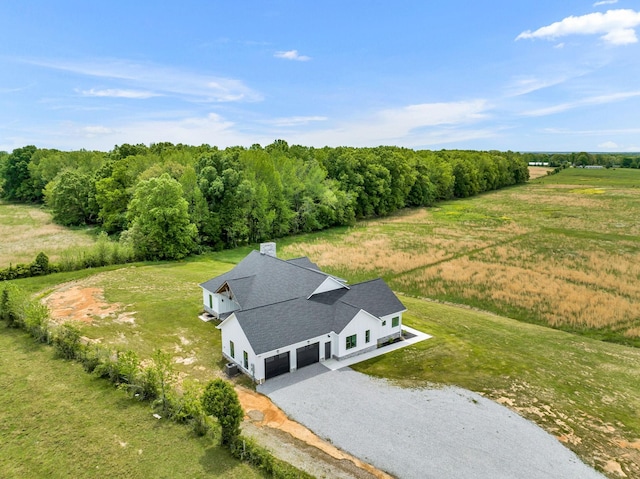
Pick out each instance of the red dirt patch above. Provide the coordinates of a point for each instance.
(76, 303)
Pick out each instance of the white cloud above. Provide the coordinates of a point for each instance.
(605, 2)
(595, 100)
(616, 27)
(609, 145)
(292, 55)
(155, 78)
(92, 131)
(295, 120)
(523, 85)
(118, 93)
(410, 126)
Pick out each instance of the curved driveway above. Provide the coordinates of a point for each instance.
(422, 433)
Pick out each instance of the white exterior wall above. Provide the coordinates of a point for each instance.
(328, 284)
(231, 331)
(220, 303)
(362, 322)
(387, 329)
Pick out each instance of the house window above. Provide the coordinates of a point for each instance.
(232, 347)
(395, 321)
(245, 358)
(211, 301)
(367, 336)
(351, 341)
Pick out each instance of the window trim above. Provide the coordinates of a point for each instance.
(367, 336)
(245, 360)
(232, 349)
(352, 341)
(395, 321)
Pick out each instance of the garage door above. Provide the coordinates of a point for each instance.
(307, 355)
(276, 365)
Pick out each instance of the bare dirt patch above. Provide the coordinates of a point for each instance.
(262, 412)
(75, 302)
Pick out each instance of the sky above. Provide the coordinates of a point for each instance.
(543, 75)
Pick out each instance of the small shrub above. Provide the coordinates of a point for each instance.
(221, 401)
(66, 342)
(91, 358)
(36, 322)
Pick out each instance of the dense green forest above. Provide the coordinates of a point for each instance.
(171, 200)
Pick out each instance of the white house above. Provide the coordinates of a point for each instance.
(278, 316)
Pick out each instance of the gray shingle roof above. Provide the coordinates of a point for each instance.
(274, 309)
(273, 280)
(304, 262)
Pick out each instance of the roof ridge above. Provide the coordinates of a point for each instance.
(270, 304)
(296, 265)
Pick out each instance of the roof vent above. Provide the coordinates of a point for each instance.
(268, 248)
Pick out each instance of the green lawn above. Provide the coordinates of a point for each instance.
(574, 387)
(58, 421)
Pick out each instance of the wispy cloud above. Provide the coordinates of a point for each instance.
(609, 145)
(523, 85)
(594, 100)
(605, 2)
(118, 93)
(616, 27)
(295, 120)
(155, 78)
(411, 126)
(292, 55)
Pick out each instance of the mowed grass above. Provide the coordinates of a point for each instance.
(57, 421)
(584, 391)
(25, 231)
(563, 250)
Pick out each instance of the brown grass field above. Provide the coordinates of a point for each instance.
(25, 231)
(563, 250)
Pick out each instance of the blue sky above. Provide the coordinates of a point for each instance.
(525, 76)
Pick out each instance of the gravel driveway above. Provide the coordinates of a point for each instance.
(422, 433)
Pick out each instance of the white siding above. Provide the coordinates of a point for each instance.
(231, 331)
(362, 322)
(216, 303)
(328, 284)
(388, 329)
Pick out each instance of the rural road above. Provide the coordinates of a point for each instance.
(422, 433)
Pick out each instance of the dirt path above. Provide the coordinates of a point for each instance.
(264, 414)
(265, 422)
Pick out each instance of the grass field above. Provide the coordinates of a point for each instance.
(57, 421)
(563, 250)
(25, 231)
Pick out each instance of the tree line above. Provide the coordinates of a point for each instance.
(168, 200)
(563, 160)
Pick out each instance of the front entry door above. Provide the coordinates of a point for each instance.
(327, 350)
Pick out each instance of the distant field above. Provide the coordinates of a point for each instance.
(538, 171)
(57, 421)
(563, 250)
(25, 231)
